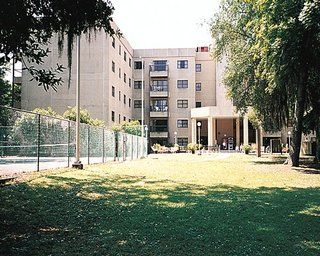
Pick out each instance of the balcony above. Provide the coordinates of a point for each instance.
(159, 131)
(159, 70)
(159, 111)
(158, 91)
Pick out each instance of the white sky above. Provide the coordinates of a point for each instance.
(165, 23)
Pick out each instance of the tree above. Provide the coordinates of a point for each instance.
(133, 127)
(85, 117)
(273, 50)
(27, 26)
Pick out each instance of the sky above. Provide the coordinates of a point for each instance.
(165, 23)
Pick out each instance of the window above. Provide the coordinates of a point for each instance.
(129, 103)
(113, 91)
(113, 42)
(124, 77)
(159, 105)
(129, 82)
(159, 85)
(159, 65)
(112, 116)
(119, 49)
(198, 87)
(182, 123)
(137, 84)
(124, 118)
(119, 118)
(113, 67)
(182, 103)
(181, 64)
(198, 104)
(138, 65)
(198, 67)
(119, 72)
(124, 56)
(182, 83)
(137, 103)
(119, 96)
(182, 142)
(130, 62)
(124, 99)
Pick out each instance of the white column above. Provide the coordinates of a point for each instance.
(238, 131)
(215, 131)
(210, 132)
(193, 130)
(245, 130)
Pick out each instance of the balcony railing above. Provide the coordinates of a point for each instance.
(158, 67)
(157, 88)
(159, 128)
(158, 108)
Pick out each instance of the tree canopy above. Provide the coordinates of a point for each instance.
(273, 53)
(27, 26)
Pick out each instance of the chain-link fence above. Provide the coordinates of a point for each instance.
(31, 141)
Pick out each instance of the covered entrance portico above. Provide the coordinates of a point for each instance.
(222, 126)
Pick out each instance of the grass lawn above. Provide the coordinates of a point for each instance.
(183, 204)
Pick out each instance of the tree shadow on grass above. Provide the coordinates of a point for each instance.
(124, 215)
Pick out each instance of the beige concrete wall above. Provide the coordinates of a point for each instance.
(96, 79)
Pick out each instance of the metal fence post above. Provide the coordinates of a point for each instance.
(88, 144)
(38, 138)
(103, 148)
(68, 144)
(131, 147)
(137, 147)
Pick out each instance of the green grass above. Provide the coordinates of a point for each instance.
(165, 205)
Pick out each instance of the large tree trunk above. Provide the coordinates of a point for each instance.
(317, 157)
(258, 141)
(297, 125)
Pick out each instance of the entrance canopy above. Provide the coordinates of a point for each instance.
(214, 111)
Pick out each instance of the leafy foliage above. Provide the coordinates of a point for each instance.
(273, 50)
(85, 117)
(26, 37)
(133, 127)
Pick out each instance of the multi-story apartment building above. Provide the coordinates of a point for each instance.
(182, 89)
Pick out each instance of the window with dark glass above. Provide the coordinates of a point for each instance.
(119, 49)
(119, 118)
(124, 118)
(113, 91)
(124, 56)
(182, 103)
(182, 142)
(113, 42)
(130, 62)
(138, 65)
(113, 66)
(137, 103)
(182, 64)
(119, 72)
(198, 104)
(129, 82)
(112, 116)
(198, 87)
(137, 84)
(182, 123)
(198, 67)
(158, 125)
(182, 83)
(129, 103)
(124, 77)
(159, 85)
(159, 65)
(159, 105)
(124, 99)
(119, 96)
